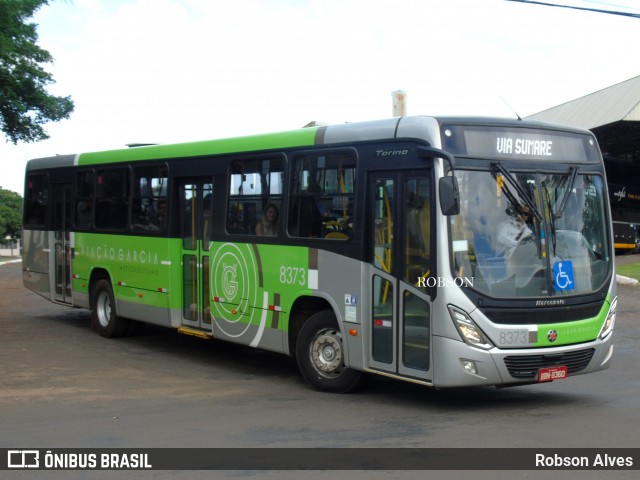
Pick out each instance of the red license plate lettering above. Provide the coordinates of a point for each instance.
(553, 373)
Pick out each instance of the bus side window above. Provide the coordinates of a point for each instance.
(253, 185)
(85, 187)
(305, 218)
(149, 203)
(321, 199)
(37, 198)
(112, 199)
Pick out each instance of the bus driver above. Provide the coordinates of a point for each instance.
(514, 230)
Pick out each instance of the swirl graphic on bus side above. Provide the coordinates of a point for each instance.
(229, 282)
(234, 288)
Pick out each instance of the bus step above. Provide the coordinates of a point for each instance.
(195, 333)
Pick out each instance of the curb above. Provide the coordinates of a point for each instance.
(10, 261)
(626, 280)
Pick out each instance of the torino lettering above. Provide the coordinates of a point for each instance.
(441, 282)
(391, 153)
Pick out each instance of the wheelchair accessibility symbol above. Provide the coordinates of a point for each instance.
(563, 276)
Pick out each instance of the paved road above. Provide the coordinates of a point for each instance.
(61, 385)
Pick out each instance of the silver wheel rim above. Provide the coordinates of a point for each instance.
(326, 352)
(103, 309)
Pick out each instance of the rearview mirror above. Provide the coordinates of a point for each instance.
(449, 195)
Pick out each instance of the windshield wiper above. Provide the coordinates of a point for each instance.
(521, 191)
(573, 172)
(553, 218)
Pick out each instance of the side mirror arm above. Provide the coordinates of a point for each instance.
(449, 192)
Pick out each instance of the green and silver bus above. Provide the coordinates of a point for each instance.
(375, 247)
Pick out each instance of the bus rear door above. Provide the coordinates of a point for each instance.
(196, 196)
(61, 242)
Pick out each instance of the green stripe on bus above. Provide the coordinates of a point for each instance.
(587, 330)
(298, 138)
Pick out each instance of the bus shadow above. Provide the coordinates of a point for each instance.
(487, 398)
(230, 360)
(190, 352)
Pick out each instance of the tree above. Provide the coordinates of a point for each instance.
(25, 104)
(10, 214)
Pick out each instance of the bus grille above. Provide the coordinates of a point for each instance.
(527, 366)
(522, 316)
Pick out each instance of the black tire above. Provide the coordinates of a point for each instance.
(320, 355)
(103, 311)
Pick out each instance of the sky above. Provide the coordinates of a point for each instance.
(165, 71)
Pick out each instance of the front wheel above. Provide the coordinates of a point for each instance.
(320, 355)
(103, 311)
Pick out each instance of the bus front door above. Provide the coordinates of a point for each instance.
(400, 232)
(61, 242)
(196, 196)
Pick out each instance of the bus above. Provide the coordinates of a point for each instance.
(624, 198)
(626, 236)
(384, 254)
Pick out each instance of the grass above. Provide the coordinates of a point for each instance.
(631, 270)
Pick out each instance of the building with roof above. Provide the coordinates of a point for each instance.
(613, 115)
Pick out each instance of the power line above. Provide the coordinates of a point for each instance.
(586, 9)
(608, 4)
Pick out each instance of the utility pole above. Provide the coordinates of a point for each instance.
(399, 103)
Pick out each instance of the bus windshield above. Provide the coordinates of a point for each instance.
(531, 234)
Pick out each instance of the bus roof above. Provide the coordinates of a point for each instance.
(417, 127)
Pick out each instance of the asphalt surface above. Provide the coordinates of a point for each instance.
(62, 385)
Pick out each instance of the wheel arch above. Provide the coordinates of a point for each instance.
(98, 274)
(301, 310)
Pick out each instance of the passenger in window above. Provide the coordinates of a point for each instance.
(157, 223)
(269, 223)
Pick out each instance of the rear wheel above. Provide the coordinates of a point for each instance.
(320, 355)
(103, 311)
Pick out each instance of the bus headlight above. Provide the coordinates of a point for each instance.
(468, 330)
(607, 328)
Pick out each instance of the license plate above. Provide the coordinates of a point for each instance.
(553, 373)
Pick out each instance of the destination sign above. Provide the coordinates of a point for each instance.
(519, 143)
(524, 146)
